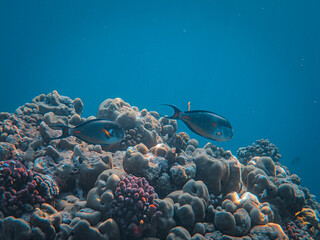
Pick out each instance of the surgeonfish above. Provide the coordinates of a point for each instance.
(96, 131)
(204, 123)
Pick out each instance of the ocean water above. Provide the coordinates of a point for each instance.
(257, 63)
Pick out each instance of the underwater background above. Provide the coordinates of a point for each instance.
(257, 63)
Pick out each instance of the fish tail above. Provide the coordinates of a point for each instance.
(176, 113)
(65, 131)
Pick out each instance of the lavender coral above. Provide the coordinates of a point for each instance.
(134, 206)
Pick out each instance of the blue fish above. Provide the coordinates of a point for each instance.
(204, 123)
(96, 131)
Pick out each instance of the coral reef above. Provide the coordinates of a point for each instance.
(271, 183)
(294, 232)
(220, 171)
(47, 221)
(14, 229)
(182, 234)
(107, 230)
(101, 196)
(165, 222)
(21, 189)
(261, 148)
(156, 184)
(190, 203)
(160, 165)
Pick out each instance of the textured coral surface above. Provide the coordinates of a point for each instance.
(156, 183)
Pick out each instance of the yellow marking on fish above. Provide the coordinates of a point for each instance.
(189, 106)
(107, 133)
(219, 133)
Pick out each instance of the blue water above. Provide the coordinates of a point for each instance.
(257, 63)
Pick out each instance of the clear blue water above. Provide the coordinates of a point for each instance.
(255, 62)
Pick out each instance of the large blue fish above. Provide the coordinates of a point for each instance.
(97, 131)
(204, 123)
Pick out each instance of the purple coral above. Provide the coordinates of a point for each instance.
(46, 186)
(134, 206)
(19, 188)
(260, 149)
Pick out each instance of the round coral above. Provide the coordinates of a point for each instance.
(134, 206)
(20, 190)
(262, 148)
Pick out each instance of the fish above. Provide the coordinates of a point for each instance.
(204, 123)
(96, 131)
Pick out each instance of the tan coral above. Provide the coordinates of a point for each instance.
(14, 229)
(47, 219)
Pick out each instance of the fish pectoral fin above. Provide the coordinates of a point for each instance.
(192, 129)
(108, 134)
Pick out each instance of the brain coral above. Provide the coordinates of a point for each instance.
(220, 174)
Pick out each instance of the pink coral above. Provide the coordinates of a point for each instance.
(134, 206)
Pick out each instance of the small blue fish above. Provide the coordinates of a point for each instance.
(97, 131)
(204, 123)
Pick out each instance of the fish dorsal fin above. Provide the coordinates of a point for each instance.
(195, 111)
(203, 111)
